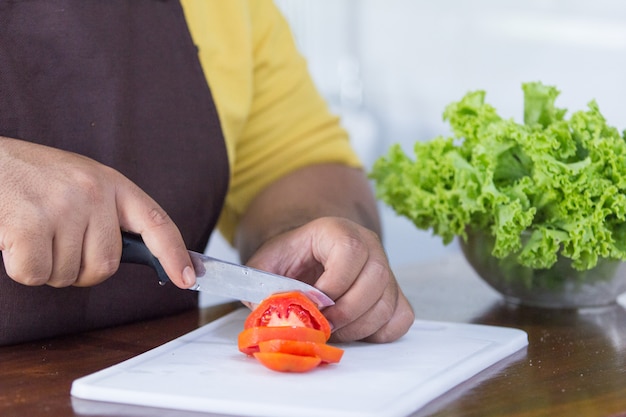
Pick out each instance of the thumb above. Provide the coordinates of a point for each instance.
(139, 213)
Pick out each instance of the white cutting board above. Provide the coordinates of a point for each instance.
(204, 371)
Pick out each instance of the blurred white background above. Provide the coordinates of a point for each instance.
(390, 67)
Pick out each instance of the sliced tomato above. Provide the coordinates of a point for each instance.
(249, 339)
(288, 333)
(288, 309)
(327, 353)
(285, 362)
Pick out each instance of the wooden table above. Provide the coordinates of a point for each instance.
(575, 364)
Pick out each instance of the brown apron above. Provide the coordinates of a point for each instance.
(118, 81)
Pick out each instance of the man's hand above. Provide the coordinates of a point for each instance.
(352, 269)
(61, 215)
(320, 224)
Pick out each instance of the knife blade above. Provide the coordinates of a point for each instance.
(223, 278)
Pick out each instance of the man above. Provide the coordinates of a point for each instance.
(165, 118)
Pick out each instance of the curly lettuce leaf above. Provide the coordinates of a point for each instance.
(561, 181)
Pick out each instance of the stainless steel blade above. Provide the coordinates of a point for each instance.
(247, 284)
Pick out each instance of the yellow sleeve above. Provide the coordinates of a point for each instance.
(273, 118)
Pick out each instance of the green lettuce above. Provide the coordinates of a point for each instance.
(560, 182)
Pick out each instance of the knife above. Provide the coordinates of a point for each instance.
(223, 278)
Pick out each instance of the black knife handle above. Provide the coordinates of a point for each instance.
(135, 251)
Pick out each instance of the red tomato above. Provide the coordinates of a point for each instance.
(288, 309)
(288, 333)
(284, 362)
(249, 339)
(327, 353)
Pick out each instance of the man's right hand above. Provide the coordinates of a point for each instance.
(61, 215)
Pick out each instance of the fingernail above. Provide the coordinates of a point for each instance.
(189, 276)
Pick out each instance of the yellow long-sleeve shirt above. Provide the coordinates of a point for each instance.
(273, 119)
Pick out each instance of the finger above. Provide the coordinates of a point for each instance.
(140, 214)
(67, 247)
(372, 320)
(27, 257)
(102, 251)
(402, 319)
(364, 294)
(342, 251)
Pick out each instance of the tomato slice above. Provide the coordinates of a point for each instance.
(288, 309)
(249, 339)
(288, 333)
(327, 353)
(285, 362)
